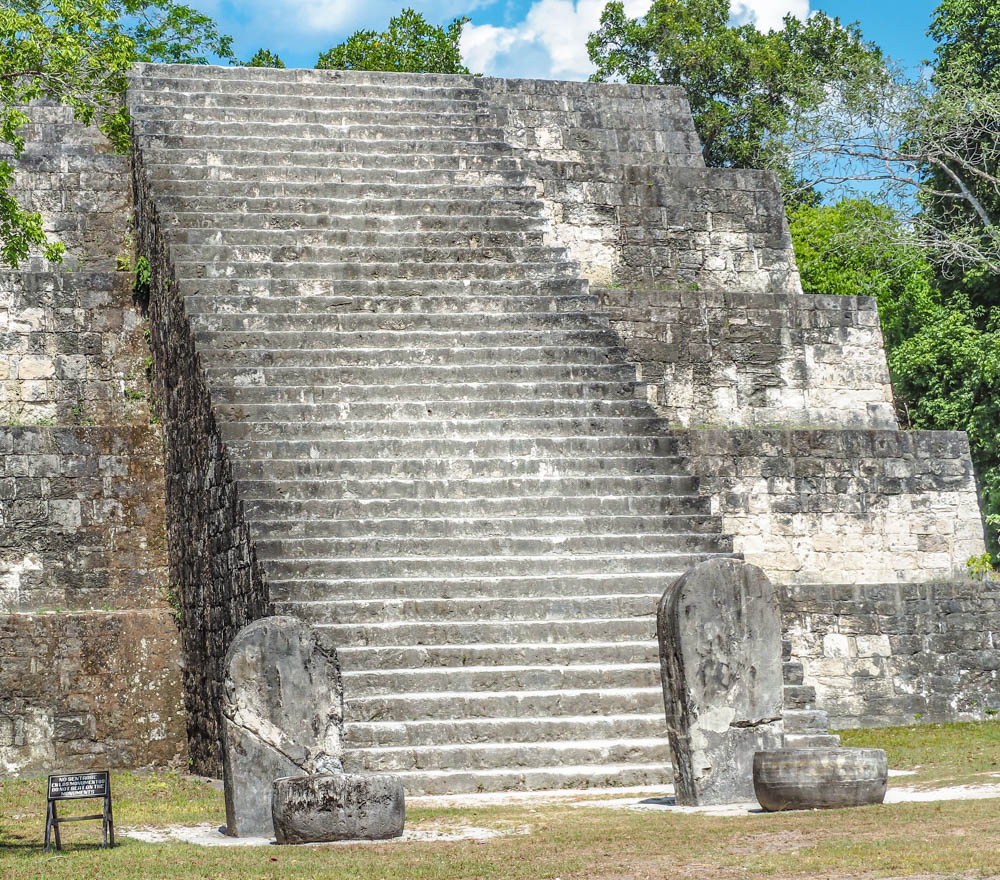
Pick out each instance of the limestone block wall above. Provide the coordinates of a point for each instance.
(81, 519)
(732, 359)
(219, 584)
(620, 170)
(817, 506)
(89, 649)
(89, 690)
(882, 654)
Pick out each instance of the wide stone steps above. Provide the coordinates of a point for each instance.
(418, 705)
(540, 528)
(414, 304)
(338, 322)
(474, 392)
(440, 449)
(365, 239)
(451, 508)
(380, 166)
(495, 586)
(306, 271)
(549, 676)
(346, 414)
(508, 756)
(463, 609)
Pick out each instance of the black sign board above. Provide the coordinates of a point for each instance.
(76, 786)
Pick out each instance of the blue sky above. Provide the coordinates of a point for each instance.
(543, 38)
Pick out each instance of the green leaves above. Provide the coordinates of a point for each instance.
(78, 52)
(410, 45)
(742, 85)
(265, 58)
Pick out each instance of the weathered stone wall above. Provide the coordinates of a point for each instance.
(89, 656)
(94, 689)
(882, 654)
(620, 171)
(814, 506)
(721, 359)
(82, 519)
(213, 567)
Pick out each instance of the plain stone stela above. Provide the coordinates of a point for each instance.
(719, 628)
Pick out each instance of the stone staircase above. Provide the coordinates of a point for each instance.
(443, 457)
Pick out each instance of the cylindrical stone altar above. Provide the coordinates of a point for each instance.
(811, 779)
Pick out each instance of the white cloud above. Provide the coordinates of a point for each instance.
(551, 40)
(768, 15)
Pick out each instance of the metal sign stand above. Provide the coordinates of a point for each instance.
(76, 786)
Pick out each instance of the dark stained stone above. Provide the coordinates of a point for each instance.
(811, 779)
(311, 809)
(282, 715)
(720, 657)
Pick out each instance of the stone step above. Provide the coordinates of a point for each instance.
(153, 100)
(428, 194)
(792, 672)
(508, 756)
(577, 676)
(554, 505)
(806, 721)
(554, 527)
(414, 304)
(536, 447)
(419, 487)
(475, 587)
(307, 156)
(451, 469)
(328, 176)
(270, 547)
(359, 239)
(465, 116)
(572, 359)
(432, 322)
(335, 134)
(654, 775)
(346, 414)
(447, 259)
(374, 567)
(502, 608)
(390, 142)
(305, 271)
(219, 207)
(418, 706)
(452, 429)
(410, 289)
(482, 379)
(353, 395)
(799, 697)
(812, 741)
(381, 734)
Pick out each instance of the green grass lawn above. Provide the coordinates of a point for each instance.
(946, 839)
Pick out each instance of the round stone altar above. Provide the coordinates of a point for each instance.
(340, 806)
(819, 779)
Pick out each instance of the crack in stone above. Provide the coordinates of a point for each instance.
(759, 723)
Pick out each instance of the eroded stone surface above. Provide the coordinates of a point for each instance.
(282, 715)
(815, 779)
(720, 657)
(312, 809)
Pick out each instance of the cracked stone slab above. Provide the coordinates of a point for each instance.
(282, 715)
(719, 628)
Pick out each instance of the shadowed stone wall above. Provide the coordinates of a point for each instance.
(219, 584)
(881, 654)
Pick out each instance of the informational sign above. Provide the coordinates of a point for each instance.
(76, 786)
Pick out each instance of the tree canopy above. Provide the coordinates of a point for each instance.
(742, 84)
(78, 52)
(409, 45)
